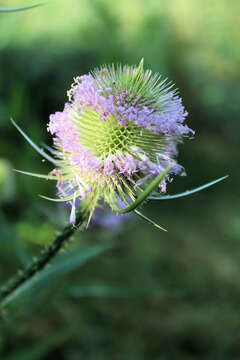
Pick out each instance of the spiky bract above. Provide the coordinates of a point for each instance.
(118, 132)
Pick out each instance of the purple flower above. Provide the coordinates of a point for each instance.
(119, 130)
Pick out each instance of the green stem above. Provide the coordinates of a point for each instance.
(39, 263)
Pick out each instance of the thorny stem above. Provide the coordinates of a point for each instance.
(39, 263)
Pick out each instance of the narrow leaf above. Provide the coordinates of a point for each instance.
(188, 192)
(40, 151)
(102, 290)
(48, 148)
(61, 266)
(108, 291)
(40, 349)
(47, 177)
(9, 10)
(67, 198)
(149, 220)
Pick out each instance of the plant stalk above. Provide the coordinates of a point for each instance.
(44, 259)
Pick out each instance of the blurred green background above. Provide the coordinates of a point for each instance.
(134, 293)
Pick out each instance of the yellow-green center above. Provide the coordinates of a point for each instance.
(108, 137)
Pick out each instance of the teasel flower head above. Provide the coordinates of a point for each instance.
(118, 131)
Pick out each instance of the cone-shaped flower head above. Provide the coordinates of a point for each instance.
(117, 133)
